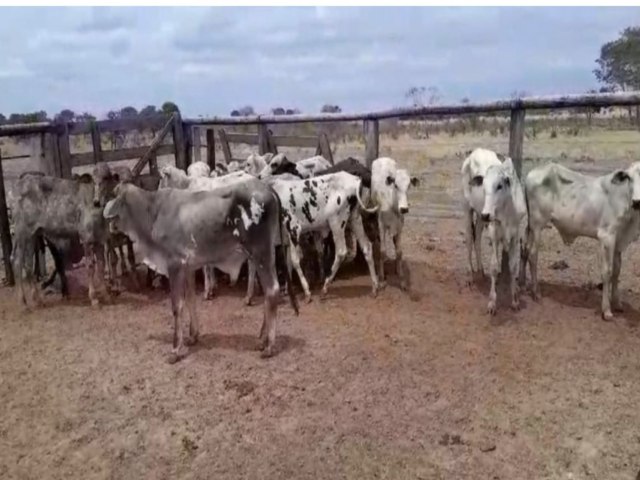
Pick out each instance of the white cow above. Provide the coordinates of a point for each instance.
(256, 163)
(321, 204)
(389, 187)
(306, 168)
(198, 169)
(604, 208)
(494, 195)
(172, 177)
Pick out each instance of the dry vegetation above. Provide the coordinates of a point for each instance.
(392, 388)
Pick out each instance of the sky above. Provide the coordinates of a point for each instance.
(212, 60)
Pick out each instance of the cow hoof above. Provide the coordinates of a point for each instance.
(248, 301)
(607, 316)
(308, 298)
(267, 352)
(190, 341)
(491, 308)
(617, 307)
(515, 305)
(374, 293)
(95, 302)
(383, 284)
(173, 358)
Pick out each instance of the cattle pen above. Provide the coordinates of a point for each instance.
(423, 384)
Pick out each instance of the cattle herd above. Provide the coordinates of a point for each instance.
(264, 210)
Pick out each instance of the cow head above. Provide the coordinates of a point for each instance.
(632, 175)
(256, 163)
(497, 189)
(104, 184)
(198, 169)
(402, 182)
(172, 177)
(278, 165)
(114, 208)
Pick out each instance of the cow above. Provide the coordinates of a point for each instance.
(257, 163)
(198, 169)
(389, 187)
(179, 231)
(322, 204)
(350, 165)
(172, 177)
(56, 207)
(604, 208)
(493, 196)
(306, 168)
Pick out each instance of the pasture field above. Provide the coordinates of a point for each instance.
(423, 386)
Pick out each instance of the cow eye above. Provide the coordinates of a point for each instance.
(390, 180)
(499, 187)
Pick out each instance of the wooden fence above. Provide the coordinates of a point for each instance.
(58, 160)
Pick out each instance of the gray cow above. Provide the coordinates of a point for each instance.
(179, 231)
(58, 208)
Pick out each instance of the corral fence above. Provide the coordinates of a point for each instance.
(56, 158)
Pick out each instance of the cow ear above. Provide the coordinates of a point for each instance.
(476, 181)
(507, 182)
(390, 180)
(85, 178)
(414, 181)
(620, 177)
(267, 157)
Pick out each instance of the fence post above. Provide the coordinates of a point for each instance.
(371, 139)
(224, 143)
(188, 142)
(96, 142)
(178, 142)
(325, 147)
(263, 139)
(211, 148)
(197, 153)
(64, 152)
(516, 138)
(5, 231)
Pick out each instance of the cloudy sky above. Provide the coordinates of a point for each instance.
(211, 60)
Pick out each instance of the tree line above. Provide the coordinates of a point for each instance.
(67, 116)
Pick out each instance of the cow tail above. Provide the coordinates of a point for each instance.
(368, 210)
(280, 253)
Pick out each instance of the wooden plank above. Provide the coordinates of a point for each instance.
(86, 158)
(153, 165)
(178, 141)
(153, 150)
(371, 141)
(248, 138)
(273, 148)
(120, 124)
(48, 162)
(5, 232)
(64, 149)
(96, 143)
(27, 129)
(197, 153)
(527, 103)
(516, 138)
(211, 148)
(224, 143)
(263, 139)
(325, 147)
(187, 133)
(295, 141)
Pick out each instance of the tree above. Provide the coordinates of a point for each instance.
(169, 108)
(113, 115)
(235, 113)
(35, 117)
(278, 111)
(465, 101)
(246, 111)
(65, 116)
(327, 108)
(85, 117)
(292, 111)
(3, 119)
(148, 111)
(16, 118)
(421, 96)
(128, 112)
(619, 61)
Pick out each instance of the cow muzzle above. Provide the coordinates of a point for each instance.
(404, 210)
(635, 204)
(96, 203)
(486, 217)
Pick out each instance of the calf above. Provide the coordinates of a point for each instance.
(320, 204)
(604, 208)
(389, 187)
(179, 231)
(172, 177)
(257, 163)
(198, 169)
(56, 208)
(493, 192)
(306, 168)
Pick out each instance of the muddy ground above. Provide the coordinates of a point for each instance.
(392, 387)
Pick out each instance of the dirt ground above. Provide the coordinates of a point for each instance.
(392, 387)
(421, 386)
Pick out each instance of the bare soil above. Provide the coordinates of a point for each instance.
(425, 385)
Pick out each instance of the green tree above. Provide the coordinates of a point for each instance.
(128, 112)
(169, 108)
(148, 111)
(65, 116)
(619, 61)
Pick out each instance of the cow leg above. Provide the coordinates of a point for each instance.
(496, 263)
(295, 254)
(177, 282)
(341, 250)
(533, 245)
(478, 227)
(100, 261)
(123, 263)
(357, 230)
(318, 242)
(514, 269)
(266, 272)
(58, 261)
(194, 324)
(251, 283)
(399, 262)
(383, 250)
(91, 273)
(112, 263)
(17, 258)
(469, 237)
(608, 255)
(209, 282)
(352, 249)
(615, 294)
